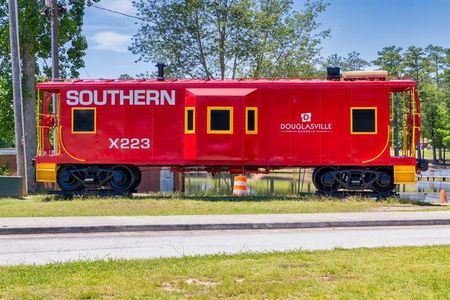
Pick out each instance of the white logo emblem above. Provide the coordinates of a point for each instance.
(305, 117)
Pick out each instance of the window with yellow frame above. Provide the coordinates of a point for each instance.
(363, 120)
(189, 120)
(84, 120)
(219, 120)
(251, 120)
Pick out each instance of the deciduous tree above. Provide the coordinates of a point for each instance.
(35, 45)
(229, 38)
(6, 113)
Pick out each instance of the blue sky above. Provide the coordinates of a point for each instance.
(365, 26)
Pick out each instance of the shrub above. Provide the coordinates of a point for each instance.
(4, 171)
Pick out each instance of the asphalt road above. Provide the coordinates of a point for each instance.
(42, 249)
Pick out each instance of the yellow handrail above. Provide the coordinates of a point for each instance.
(38, 131)
(392, 119)
(404, 121)
(413, 146)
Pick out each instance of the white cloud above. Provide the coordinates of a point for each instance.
(123, 6)
(111, 41)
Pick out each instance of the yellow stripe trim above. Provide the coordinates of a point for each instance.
(382, 151)
(64, 147)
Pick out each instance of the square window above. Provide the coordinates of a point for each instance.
(83, 120)
(364, 120)
(220, 120)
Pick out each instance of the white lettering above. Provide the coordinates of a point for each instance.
(121, 97)
(129, 143)
(308, 127)
(72, 97)
(139, 95)
(113, 143)
(145, 143)
(153, 96)
(165, 96)
(97, 101)
(124, 97)
(82, 97)
(113, 96)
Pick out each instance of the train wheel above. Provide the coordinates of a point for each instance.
(137, 176)
(123, 178)
(384, 182)
(324, 180)
(67, 179)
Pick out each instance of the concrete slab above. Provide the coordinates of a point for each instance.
(218, 222)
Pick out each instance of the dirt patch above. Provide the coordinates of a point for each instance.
(200, 282)
(169, 287)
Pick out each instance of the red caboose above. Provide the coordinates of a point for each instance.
(104, 129)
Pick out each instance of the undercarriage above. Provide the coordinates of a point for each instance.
(126, 178)
(120, 178)
(332, 179)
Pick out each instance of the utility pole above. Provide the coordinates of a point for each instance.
(17, 93)
(53, 6)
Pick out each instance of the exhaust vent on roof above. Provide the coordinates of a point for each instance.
(333, 73)
(160, 66)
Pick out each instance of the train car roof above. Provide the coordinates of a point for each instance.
(237, 83)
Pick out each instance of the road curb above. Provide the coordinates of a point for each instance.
(219, 226)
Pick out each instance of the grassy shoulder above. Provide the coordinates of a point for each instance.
(383, 273)
(44, 206)
(429, 153)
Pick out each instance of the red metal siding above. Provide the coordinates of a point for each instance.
(326, 141)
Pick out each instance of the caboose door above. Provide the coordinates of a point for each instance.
(215, 125)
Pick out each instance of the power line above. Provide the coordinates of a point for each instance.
(87, 73)
(117, 12)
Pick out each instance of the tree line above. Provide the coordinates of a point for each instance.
(429, 67)
(253, 39)
(216, 39)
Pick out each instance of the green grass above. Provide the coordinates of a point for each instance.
(383, 273)
(44, 206)
(429, 154)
